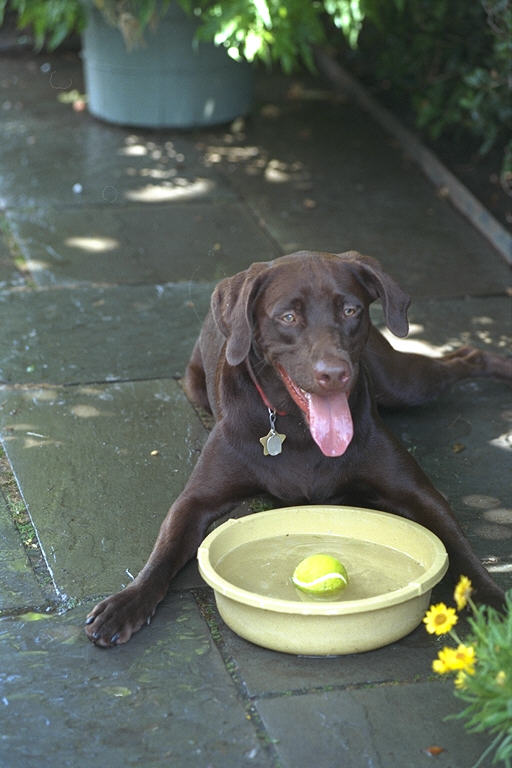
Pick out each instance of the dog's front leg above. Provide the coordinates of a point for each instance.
(215, 485)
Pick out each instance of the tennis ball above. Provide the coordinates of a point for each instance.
(321, 575)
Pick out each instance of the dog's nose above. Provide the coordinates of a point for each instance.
(332, 374)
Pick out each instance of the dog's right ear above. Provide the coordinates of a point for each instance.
(380, 285)
(231, 305)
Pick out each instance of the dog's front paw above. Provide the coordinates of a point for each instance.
(118, 617)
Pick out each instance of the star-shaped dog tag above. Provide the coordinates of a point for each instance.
(272, 443)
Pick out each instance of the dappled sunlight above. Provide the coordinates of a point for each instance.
(495, 525)
(85, 411)
(234, 148)
(29, 436)
(256, 161)
(171, 170)
(44, 394)
(136, 146)
(20, 427)
(134, 150)
(93, 244)
(501, 515)
(36, 265)
(160, 173)
(30, 442)
(181, 189)
(503, 441)
(416, 346)
(277, 172)
(482, 332)
(216, 153)
(50, 413)
(480, 501)
(500, 568)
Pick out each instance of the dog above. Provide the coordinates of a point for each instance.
(291, 367)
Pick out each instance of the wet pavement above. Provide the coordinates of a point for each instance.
(111, 241)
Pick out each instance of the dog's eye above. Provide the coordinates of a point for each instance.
(289, 318)
(350, 311)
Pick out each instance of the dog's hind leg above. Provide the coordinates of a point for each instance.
(404, 379)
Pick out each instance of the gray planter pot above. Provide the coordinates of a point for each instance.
(170, 81)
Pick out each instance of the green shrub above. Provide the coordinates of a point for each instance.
(51, 21)
(449, 61)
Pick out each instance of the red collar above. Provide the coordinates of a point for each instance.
(260, 390)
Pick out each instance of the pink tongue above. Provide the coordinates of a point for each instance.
(330, 422)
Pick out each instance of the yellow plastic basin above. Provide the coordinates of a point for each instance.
(324, 628)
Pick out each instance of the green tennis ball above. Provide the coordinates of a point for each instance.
(321, 575)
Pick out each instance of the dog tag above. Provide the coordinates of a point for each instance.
(273, 442)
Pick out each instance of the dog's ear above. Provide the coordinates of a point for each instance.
(379, 285)
(231, 306)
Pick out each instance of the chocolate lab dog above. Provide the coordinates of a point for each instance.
(292, 369)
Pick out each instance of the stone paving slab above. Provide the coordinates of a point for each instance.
(375, 727)
(463, 442)
(137, 244)
(18, 584)
(111, 165)
(313, 186)
(440, 326)
(96, 333)
(96, 495)
(164, 703)
(53, 335)
(30, 86)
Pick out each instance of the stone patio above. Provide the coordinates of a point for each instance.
(111, 242)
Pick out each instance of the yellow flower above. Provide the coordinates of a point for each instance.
(460, 680)
(465, 658)
(459, 659)
(439, 665)
(501, 677)
(439, 619)
(445, 661)
(462, 592)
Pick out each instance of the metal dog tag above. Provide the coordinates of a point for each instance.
(272, 442)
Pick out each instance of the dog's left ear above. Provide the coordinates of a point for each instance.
(231, 305)
(379, 285)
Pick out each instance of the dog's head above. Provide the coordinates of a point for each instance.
(307, 315)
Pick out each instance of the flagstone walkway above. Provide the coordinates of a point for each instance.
(111, 241)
